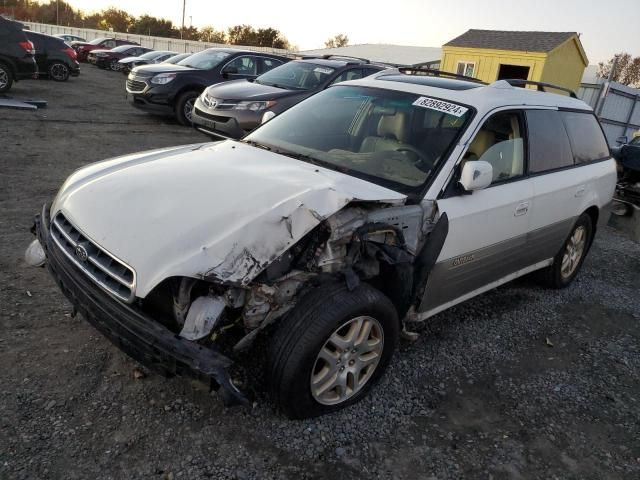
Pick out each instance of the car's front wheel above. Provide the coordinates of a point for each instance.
(569, 259)
(6, 78)
(331, 349)
(114, 65)
(184, 107)
(59, 72)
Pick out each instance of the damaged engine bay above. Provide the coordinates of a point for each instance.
(360, 243)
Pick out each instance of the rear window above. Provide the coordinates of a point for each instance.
(549, 146)
(586, 137)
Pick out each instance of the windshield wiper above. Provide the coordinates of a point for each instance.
(253, 143)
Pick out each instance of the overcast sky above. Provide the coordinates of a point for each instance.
(607, 27)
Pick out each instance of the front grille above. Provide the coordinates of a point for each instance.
(215, 118)
(135, 86)
(102, 267)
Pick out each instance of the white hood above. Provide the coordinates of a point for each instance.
(218, 210)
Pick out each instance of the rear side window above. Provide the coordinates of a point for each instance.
(549, 147)
(268, 64)
(587, 140)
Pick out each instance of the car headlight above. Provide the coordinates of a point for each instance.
(163, 78)
(254, 106)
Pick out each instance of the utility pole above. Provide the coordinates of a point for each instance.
(184, 6)
(57, 12)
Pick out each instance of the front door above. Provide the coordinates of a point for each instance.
(488, 228)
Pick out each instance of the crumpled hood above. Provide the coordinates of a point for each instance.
(220, 210)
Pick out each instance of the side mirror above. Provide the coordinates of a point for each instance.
(622, 140)
(229, 71)
(476, 175)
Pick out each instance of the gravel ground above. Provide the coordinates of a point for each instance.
(518, 383)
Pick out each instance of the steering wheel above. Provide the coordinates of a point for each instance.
(422, 162)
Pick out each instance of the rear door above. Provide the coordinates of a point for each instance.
(487, 239)
(265, 64)
(563, 149)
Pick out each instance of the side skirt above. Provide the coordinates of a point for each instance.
(421, 316)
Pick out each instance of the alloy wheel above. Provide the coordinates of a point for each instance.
(4, 78)
(59, 71)
(188, 108)
(573, 251)
(347, 360)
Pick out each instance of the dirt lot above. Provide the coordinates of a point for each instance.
(519, 383)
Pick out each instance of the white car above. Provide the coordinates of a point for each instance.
(328, 230)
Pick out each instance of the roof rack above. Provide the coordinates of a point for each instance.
(437, 73)
(542, 86)
(337, 57)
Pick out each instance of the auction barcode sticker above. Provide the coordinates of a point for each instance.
(440, 106)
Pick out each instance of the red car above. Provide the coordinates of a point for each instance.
(105, 43)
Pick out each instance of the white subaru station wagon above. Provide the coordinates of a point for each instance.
(313, 242)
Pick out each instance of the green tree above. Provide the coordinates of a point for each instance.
(340, 40)
(210, 34)
(242, 35)
(148, 25)
(117, 19)
(627, 70)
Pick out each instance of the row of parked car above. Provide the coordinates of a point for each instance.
(25, 54)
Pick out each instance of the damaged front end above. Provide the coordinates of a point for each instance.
(193, 326)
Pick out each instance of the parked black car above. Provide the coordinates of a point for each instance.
(54, 57)
(109, 58)
(16, 54)
(154, 56)
(233, 109)
(172, 89)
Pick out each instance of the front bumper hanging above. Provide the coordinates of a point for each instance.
(139, 336)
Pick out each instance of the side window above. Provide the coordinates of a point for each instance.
(500, 142)
(369, 71)
(268, 63)
(244, 65)
(586, 137)
(109, 44)
(352, 74)
(549, 147)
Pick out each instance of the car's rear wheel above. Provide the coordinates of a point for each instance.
(568, 261)
(184, 107)
(6, 78)
(331, 349)
(59, 72)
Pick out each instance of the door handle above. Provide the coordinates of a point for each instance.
(522, 209)
(580, 191)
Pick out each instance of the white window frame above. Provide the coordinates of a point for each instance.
(466, 64)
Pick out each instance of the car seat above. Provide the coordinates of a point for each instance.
(392, 134)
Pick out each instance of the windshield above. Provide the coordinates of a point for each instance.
(96, 41)
(635, 141)
(178, 58)
(121, 48)
(392, 138)
(204, 60)
(296, 76)
(151, 55)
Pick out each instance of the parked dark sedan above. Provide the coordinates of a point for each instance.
(172, 89)
(109, 58)
(83, 48)
(16, 54)
(54, 57)
(232, 109)
(129, 63)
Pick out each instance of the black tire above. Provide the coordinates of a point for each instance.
(59, 72)
(552, 276)
(6, 78)
(303, 333)
(113, 65)
(185, 99)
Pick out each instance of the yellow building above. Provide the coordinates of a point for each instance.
(490, 55)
